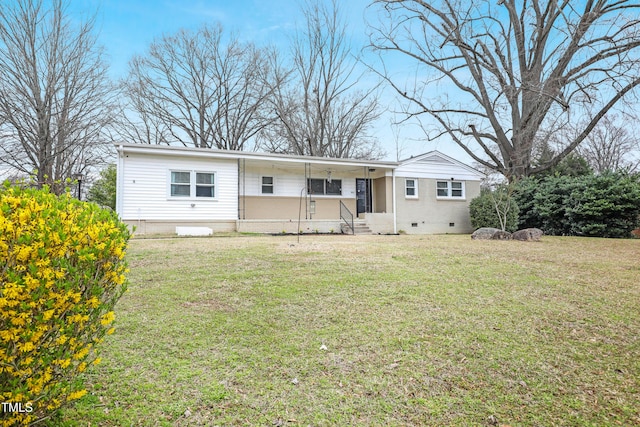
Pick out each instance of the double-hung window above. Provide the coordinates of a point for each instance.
(411, 188)
(190, 184)
(450, 189)
(180, 184)
(267, 185)
(205, 184)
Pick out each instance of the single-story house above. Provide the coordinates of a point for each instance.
(160, 188)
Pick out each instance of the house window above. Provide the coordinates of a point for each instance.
(193, 184)
(456, 189)
(334, 187)
(180, 184)
(450, 189)
(205, 184)
(411, 188)
(267, 185)
(324, 186)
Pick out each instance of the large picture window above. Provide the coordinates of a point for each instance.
(318, 186)
(193, 184)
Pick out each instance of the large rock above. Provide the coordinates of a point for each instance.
(488, 233)
(484, 233)
(528, 235)
(501, 235)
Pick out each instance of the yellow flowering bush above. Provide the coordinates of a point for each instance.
(62, 270)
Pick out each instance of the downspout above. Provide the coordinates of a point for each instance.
(395, 204)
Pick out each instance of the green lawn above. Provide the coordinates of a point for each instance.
(372, 331)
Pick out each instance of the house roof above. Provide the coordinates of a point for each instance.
(248, 155)
(432, 157)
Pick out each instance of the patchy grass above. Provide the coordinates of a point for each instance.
(372, 330)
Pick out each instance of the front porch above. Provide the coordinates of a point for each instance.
(311, 195)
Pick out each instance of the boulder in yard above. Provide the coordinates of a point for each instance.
(501, 235)
(528, 235)
(484, 233)
(490, 233)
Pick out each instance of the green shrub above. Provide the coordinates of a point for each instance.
(524, 195)
(606, 205)
(63, 272)
(551, 201)
(494, 208)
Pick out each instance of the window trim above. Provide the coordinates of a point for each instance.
(193, 185)
(450, 190)
(414, 187)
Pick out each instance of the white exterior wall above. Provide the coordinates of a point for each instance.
(436, 167)
(144, 189)
(291, 183)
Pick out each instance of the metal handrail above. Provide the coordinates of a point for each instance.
(347, 216)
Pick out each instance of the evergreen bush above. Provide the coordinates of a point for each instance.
(606, 205)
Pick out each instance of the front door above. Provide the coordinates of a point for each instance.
(363, 196)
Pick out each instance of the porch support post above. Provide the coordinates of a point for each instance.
(307, 193)
(395, 204)
(120, 181)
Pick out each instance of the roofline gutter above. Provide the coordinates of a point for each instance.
(236, 155)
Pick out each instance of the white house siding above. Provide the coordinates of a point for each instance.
(144, 193)
(437, 167)
(290, 182)
(289, 185)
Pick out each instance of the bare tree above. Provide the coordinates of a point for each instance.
(320, 113)
(611, 147)
(54, 94)
(134, 124)
(500, 75)
(200, 89)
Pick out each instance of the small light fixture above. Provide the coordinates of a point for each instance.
(329, 177)
(77, 177)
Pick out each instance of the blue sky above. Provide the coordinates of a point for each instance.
(127, 27)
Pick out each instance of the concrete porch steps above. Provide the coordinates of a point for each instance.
(360, 227)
